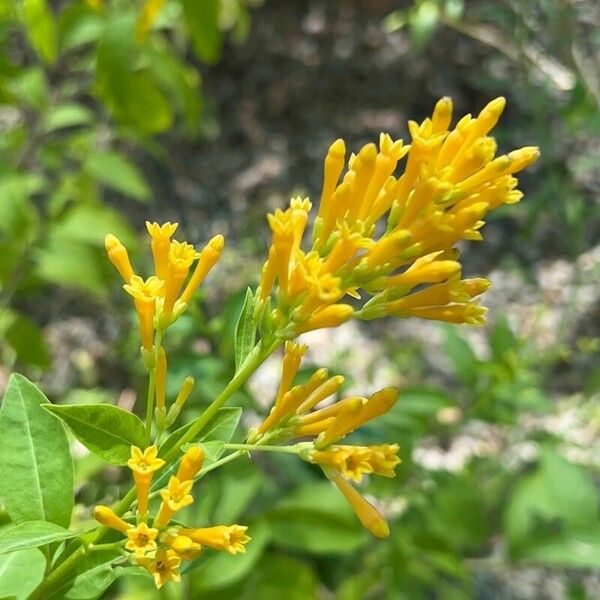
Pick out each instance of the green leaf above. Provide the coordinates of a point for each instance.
(41, 29)
(502, 339)
(220, 428)
(27, 340)
(35, 459)
(21, 572)
(279, 572)
(118, 173)
(89, 578)
(66, 115)
(107, 431)
(131, 94)
(556, 502)
(223, 569)
(202, 19)
(89, 224)
(316, 518)
(245, 330)
(460, 353)
(239, 486)
(31, 534)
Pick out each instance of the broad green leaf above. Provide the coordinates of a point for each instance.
(245, 330)
(20, 573)
(105, 430)
(460, 353)
(31, 534)
(89, 224)
(502, 339)
(41, 29)
(202, 19)
(221, 569)
(79, 25)
(35, 459)
(557, 497)
(240, 484)
(118, 173)
(72, 264)
(27, 340)
(131, 94)
(568, 550)
(220, 428)
(316, 518)
(89, 578)
(67, 115)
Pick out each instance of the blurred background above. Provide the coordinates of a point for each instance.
(212, 112)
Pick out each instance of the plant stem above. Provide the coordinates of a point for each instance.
(254, 360)
(150, 404)
(58, 573)
(295, 449)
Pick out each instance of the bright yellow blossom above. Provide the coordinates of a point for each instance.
(118, 256)
(144, 295)
(105, 516)
(141, 539)
(161, 240)
(231, 538)
(451, 180)
(191, 463)
(184, 546)
(175, 497)
(355, 461)
(164, 566)
(143, 465)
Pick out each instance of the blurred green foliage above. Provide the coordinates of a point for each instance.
(84, 88)
(81, 97)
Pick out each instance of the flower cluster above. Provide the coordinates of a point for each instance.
(389, 236)
(293, 416)
(161, 547)
(161, 299)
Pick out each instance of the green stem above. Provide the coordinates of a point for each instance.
(254, 360)
(59, 573)
(295, 449)
(150, 404)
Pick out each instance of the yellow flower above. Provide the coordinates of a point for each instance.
(117, 254)
(355, 461)
(207, 260)
(144, 297)
(161, 241)
(144, 464)
(105, 516)
(175, 497)
(191, 463)
(164, 566)
(231, 538)
(141, 539)
(450, 181)
(367, 514)
(180, 258)
(184, 546)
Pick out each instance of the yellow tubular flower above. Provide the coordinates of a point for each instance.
(175, 497)
(141, 539)
(144, 464)
(105, 516)
(118, 256)
(164, 566)
(356, 413)
(191, 463)
(161, 240)
(384, 459)
(144, 297)
(332, 169)
(331, 316)
(180, 258)
(352, 461)
(208, 259)
(326, 389)
(184, 547)
(231, 538)
(367, 514)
